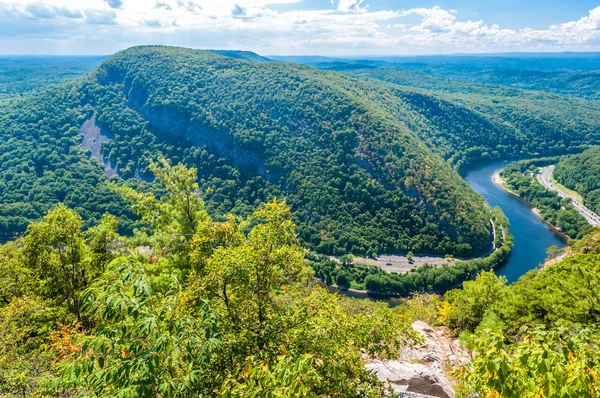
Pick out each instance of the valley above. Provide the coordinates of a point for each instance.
(259, 190)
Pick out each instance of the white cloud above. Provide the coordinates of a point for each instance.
(44, 11)
(348, 26)
(350, 5)
(115, 3)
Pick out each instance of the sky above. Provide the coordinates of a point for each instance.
(301, 27)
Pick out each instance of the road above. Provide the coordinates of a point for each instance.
(400, 264)
(544, 179)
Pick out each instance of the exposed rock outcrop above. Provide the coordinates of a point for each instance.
(93, 138)
(423, 369)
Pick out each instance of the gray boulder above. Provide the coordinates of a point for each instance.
(423, 369)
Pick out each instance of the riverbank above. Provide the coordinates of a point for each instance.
(531, 234)
(371, 280)
(499, 181)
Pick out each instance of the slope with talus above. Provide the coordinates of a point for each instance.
(357, 179)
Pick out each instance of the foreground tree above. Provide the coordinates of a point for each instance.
(559, 363)
(247, 320)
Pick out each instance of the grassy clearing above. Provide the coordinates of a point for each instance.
(566, 190)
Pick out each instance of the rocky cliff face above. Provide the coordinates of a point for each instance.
(424, 369)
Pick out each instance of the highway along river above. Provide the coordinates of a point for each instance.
(532, 236)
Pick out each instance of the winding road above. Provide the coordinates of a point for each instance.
(544, 179)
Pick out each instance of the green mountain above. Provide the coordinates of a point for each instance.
(573, 74)
(247, 55)
(357, 178)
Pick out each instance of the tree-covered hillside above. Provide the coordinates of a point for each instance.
(21, 74)
(581, 173)
(356, 178)
(210, 309)
(466, 122)
(573, 74)
(42, 163)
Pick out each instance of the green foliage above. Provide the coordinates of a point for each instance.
(26, 326)
(175, 216)
(426, 278)
(467, 306)
(144, 345)
(421, 307)
(43, 164)
(565, 293)
(342, 280)
(247, 320)
(521, 177)
(55, 253)
(559, 363)
(581, 173)
(466, 122)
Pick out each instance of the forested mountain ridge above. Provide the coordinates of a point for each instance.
(581, 173)
(466, 122)
(572, 74)
(362, 182)
(357, 179)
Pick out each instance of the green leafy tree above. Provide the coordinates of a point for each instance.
(247, 321)
(175, 217)
(144, 345)
(55, 252)
(544, 363)
(464, 309)
(103, 243)
(342, 280)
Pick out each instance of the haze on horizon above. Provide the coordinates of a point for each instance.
(300, 27)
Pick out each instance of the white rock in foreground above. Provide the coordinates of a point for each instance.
(423, 369)
(411, 377)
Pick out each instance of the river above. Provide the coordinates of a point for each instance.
(532, 236)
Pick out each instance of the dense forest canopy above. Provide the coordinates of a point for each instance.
(572, 74)
(357, 179)
(196, 306)
(581, 173)
(22, 74)
(468, 122)
(359, 156)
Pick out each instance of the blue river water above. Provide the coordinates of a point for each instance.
(532, 236)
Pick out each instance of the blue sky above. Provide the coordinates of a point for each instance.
(319, 27)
